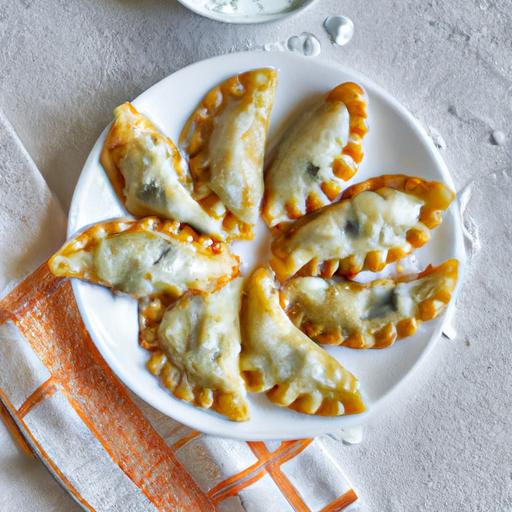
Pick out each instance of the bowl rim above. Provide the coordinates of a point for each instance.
(254, 19)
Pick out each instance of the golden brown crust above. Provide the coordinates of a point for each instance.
(183, 232)
(278, 359)
(356, 101)
(112, 153)
(230, 405)
(197, 131)
(196, 348)
(88, 239)
(339, 314)
(252, 89)
(151, 311)
(435, 196)
(342, 168)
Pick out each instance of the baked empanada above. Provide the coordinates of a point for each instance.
(224, 139)
(198, 351)
(146, 258)
(371, 315)
(277, 358)
(320, 152)
(375, 222)
(149, 175)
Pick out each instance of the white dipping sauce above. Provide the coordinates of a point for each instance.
(251, 7)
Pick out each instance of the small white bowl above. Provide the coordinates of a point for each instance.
(199, 8)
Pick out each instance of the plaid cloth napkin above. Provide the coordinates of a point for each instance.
(108, 449)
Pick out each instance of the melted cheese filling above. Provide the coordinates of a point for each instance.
(236, 150)
(347, 308)
(281, 352)
(201, 336)
(153, 185)
(145, 263)
(305, 156)
(369, 221)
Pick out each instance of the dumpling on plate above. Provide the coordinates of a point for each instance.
(278, 359)
(376, 222)
(149, 175)
(317, 155)
(146, 258)
(198, 352)
(224, 140)
(371, 315)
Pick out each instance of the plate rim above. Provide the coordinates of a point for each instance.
(460, 254)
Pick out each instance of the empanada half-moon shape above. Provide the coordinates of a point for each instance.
(146, 258)
(198, 352)
(375, 222)
(371, 315)
(224, 139)
(317, 155)
(149, 175)
(277, 358)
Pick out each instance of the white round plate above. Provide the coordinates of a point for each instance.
(396, 143)
(237, 18)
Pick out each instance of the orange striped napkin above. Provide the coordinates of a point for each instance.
(109, 449)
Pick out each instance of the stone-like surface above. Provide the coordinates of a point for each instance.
(447, 446)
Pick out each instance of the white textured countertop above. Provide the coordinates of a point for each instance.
(448, 444)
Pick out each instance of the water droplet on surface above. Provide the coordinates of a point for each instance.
(498, 138)
(306, 44)
(484, 5)
(437, 138)
(311, 46)
(295, 44)
(340, 29)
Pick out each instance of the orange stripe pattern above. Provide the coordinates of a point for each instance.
(45, 390)
(45, 458)
(44, 310)
(185, 439)
(342, 502)
(14, 430)
(256, 471)
(273, 468)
